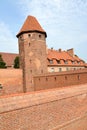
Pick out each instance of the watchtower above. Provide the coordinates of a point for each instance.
(32, 51)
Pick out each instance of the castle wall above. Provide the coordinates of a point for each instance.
(63, 79)
(11, 81)
(56, 109)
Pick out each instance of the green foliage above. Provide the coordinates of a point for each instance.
(2, 63)
(16, 62)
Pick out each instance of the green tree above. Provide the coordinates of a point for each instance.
(2, 63)
(16, 62)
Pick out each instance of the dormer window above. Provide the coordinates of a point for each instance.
(66, 62)
(51, 61)
(73, 62)
(78, 62)
(58, 61)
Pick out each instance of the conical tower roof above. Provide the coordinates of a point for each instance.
(31, 25)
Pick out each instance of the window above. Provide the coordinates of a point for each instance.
(29, 44)
(39, 36)
(51, 61)
(65, 77)
(1, 86)
(29, 35)
(58, 61)
(73, 62)
(78, 62)
(60, 69)
(52, 69)
(66, 62)
(78, 77)
(67, 69)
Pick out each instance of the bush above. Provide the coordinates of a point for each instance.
(2, 63)
(16, 62)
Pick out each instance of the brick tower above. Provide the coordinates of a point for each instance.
(32, 51)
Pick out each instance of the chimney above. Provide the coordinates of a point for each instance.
(60, 50)
(71, 51)
(51, 48)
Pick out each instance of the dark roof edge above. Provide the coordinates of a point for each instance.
(31, 31)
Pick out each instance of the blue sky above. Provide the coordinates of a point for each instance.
(65, 22)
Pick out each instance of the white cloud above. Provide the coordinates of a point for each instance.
(7, 41)
(62, 19)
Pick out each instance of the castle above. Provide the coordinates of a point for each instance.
(44, 101)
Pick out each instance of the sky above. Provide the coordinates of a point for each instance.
(65, 22)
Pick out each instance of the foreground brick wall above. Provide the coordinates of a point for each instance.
(56, 109)
(11, 80)
(55, 80)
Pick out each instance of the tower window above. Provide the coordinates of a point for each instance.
(29, 44)
(29, 35)
(39, 36)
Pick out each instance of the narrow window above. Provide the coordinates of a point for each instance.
(78, 77)
(65, 77)
(46, 79)
(29, 43)
(1, 86)
(29, 35)
(55, 78)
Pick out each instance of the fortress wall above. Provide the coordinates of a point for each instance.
(63, 79)
(55, 109)
(11, 80)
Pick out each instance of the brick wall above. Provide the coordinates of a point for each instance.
(63, 79)
(11, 80)
(55, 109)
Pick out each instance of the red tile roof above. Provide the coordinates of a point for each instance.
(8, 58)
(31, 24)
(62, 55)
(52, 55)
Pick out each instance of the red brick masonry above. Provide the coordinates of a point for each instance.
(63, 79)
(11, 80)
(56, 109)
